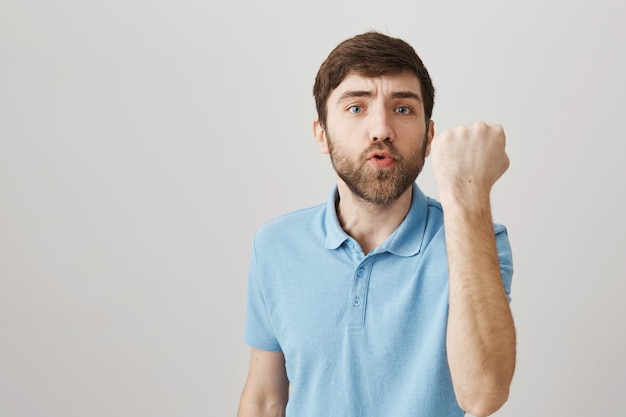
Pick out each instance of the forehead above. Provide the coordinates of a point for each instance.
(386, 84)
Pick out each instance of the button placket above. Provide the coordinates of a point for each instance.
(360, 283)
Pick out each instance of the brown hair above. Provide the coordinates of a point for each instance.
(370, 54)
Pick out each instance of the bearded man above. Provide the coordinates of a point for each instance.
(383, 301)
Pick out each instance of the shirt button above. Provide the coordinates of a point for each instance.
(360, 272)
(356, 302)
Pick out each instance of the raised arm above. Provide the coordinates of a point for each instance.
(467, 161)
(266, 390)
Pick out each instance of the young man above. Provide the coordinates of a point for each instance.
(382, 301)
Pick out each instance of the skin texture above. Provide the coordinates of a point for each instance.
(267, 387)
(367, 116)
(467, 161)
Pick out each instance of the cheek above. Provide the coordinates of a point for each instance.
(342, 138)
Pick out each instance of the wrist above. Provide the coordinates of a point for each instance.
(466, 200)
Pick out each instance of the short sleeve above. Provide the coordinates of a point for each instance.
(505, 257)
(258, 331)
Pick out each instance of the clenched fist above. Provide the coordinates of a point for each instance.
(468, 160)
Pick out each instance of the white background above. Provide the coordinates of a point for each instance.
(143, 142)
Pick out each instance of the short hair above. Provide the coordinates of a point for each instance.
(370, 54)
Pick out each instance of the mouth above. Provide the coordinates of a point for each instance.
(381, 159)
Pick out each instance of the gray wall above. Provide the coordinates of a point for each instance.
(143, 142)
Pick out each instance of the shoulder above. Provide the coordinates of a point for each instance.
(500, 229)
(434, 216)
(291, 223)
(434, 206)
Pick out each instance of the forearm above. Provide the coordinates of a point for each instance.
(266, 391)
(481, 333)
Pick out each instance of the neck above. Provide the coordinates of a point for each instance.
(370, 224)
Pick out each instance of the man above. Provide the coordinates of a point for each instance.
(383, 302)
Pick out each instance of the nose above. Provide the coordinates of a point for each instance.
(380, 128)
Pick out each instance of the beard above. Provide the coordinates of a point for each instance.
(379, 186)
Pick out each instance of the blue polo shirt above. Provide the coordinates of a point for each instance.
(362, 335)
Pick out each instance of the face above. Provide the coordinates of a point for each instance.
(376, 135)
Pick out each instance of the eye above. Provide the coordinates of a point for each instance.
(404, 110)
(355, 109)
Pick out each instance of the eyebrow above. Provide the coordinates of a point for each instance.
(363, 93)
(406, 94)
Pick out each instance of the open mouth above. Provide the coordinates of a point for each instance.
(381, 159)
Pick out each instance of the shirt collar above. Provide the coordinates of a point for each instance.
(406, 240)
(335, 235)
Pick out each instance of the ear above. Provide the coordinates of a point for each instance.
(319, 133)
(429, 136)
